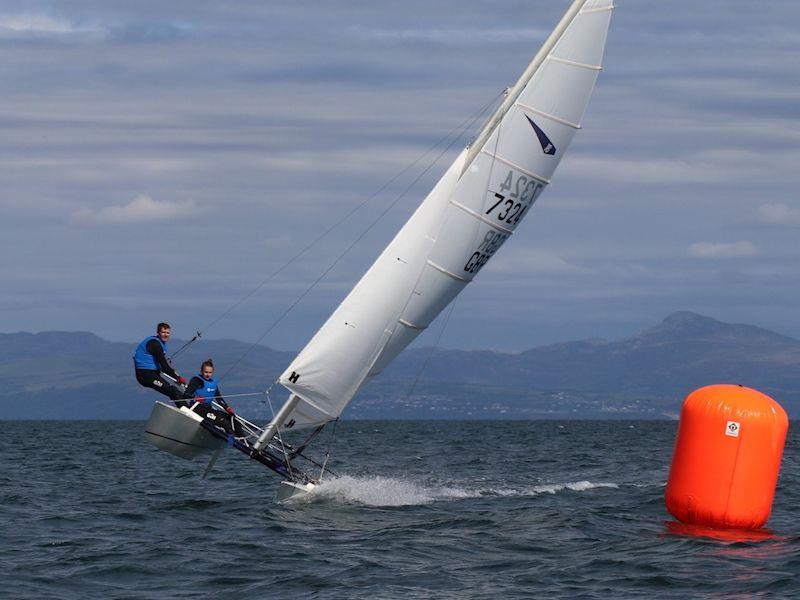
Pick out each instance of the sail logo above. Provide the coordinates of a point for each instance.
(547, 145)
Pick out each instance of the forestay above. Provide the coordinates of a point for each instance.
(476, 206)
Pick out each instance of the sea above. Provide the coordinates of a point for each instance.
(415, 509)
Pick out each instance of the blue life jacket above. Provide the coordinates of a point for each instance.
(209, 390)
(142, 359)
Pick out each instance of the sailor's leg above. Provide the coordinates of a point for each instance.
(153, 380)
(223, 420)
(216, 417)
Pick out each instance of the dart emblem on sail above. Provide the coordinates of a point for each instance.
(547, 145)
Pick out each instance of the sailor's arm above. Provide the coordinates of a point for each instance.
(195, 383)
(154, 348)
(220, 400)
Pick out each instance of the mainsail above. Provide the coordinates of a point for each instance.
(474, 208)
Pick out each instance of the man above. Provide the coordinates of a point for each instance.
(150, 361)
(204, 390)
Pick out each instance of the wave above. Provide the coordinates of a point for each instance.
(389, 491)
(382, 491)
(577, 486)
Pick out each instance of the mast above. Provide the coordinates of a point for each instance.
(471, 212)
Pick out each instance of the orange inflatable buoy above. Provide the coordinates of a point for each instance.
(727, 456)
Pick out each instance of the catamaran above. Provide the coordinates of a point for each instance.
(474, 208)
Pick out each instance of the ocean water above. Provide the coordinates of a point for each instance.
(538, 509)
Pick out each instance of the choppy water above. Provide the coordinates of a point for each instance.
(419, 510)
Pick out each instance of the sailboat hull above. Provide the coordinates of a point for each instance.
(288, 490)
(179, 431)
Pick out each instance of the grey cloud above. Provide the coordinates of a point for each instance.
(142, 209)
(779, 214)
(33, 26)
(723, 250)
(463, 37)
(277, 118)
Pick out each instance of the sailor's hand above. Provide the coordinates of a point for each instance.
(199, 399)
(229, 410)
(181, 380)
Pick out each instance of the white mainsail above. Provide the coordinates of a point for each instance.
(474, 208)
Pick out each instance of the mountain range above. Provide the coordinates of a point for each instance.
(77, 375)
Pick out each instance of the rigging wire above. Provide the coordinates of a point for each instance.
(361, 236)
(461, 128)
(186, 345)
(244, 395)
(432, 350)
(328, 451)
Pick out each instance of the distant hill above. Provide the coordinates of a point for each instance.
(79, 375)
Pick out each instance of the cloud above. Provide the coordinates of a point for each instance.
(779, 214)
(469, 36)
(704, 167)
(274, 121)
(141, 209)
(531, 261)
(721, 251)
(643, 171)
(33, 25)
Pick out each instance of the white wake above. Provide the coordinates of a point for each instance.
(389, 491)
(383, 491)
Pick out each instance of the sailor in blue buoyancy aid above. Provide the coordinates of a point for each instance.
(203, 389)
(150, 360)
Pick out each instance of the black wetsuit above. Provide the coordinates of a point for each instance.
(217, 417)
(153, 379)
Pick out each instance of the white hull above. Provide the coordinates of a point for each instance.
(179, 432)
(288, 490)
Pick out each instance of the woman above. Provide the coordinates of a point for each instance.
(203, 389)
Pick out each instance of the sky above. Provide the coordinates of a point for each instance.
(159, 160)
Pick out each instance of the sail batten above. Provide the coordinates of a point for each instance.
(588, 11)
(507, 162)
(405, 323)
(541, 113)
(444, 271)
(474, 208)
(472, 213)
(575, 63)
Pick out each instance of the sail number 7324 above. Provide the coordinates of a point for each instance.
(517, 194)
